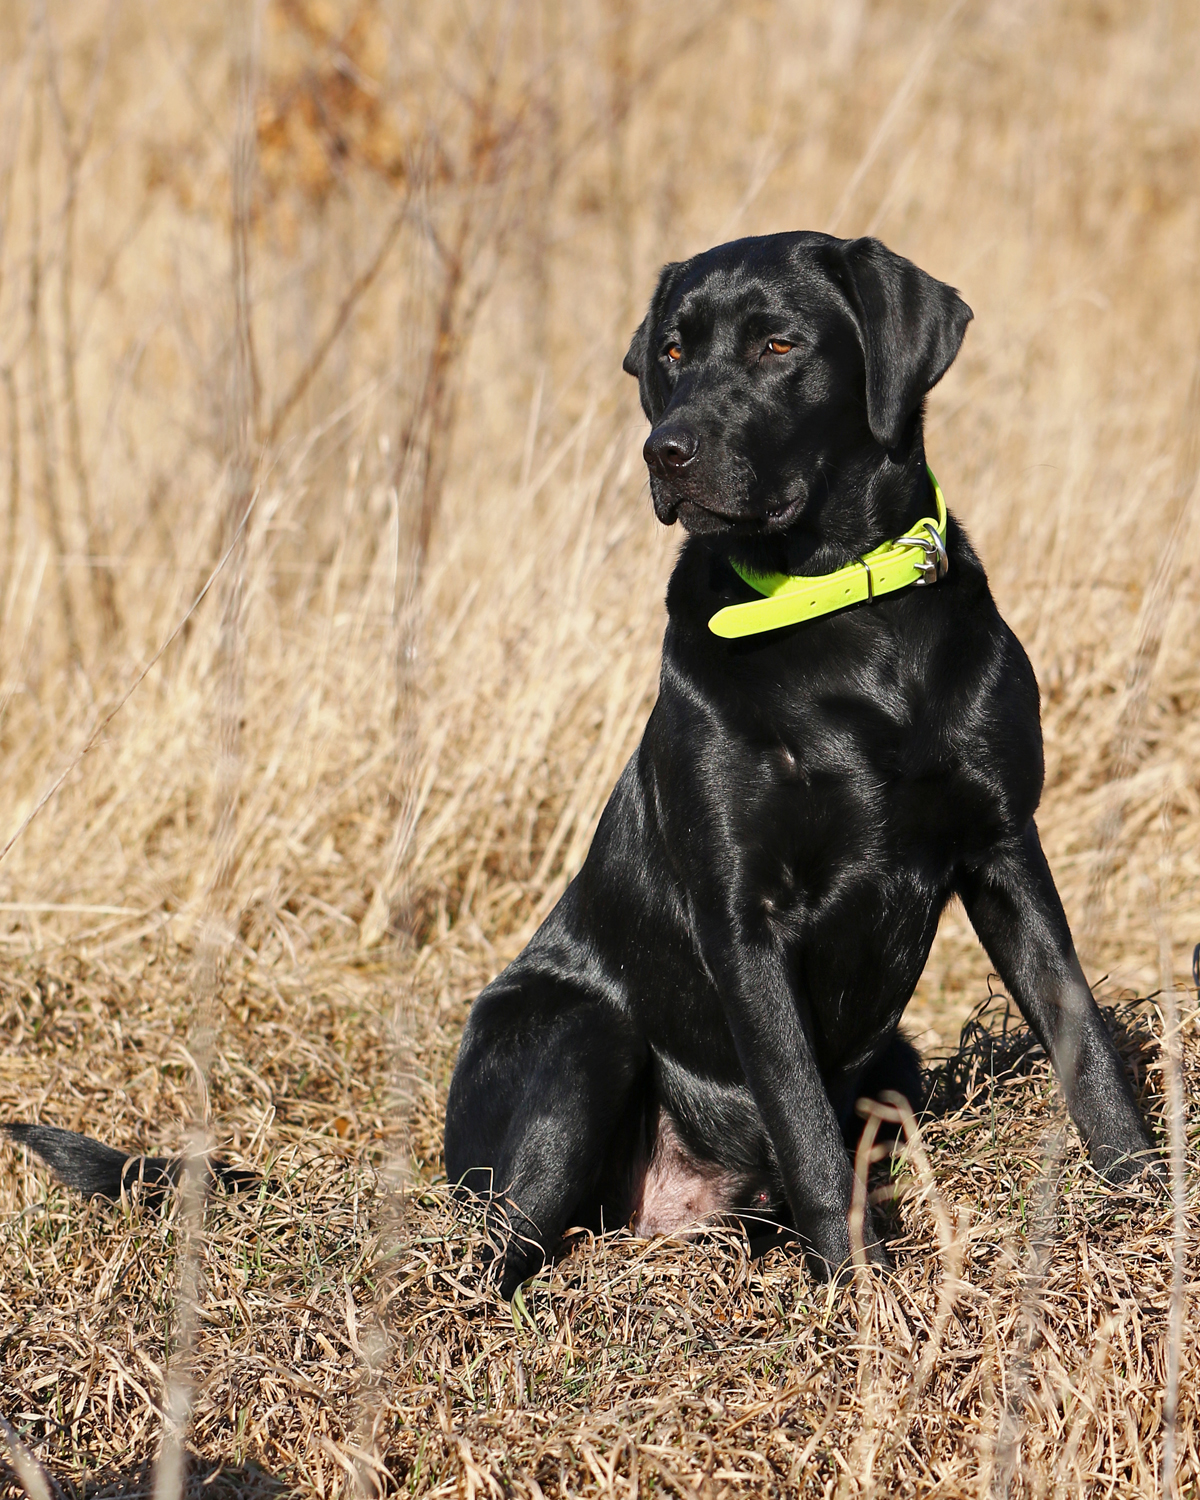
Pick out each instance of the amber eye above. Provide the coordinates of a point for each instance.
(674, 353)
(779, 346)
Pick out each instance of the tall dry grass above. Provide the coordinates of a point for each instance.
(331, 602)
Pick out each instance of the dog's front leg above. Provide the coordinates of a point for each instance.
(1015, 909)
(776, 1054)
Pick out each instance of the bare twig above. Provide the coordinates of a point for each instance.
(1177, 1136)
(354, 294)
(74, 147)
(230, 662)
(230, 667)
(951, 1236)
(858, 1477)
(1006, 1459)
(913, 76)
(28, 1470)
(41, 404)
(1126, 748)
(169, 1476)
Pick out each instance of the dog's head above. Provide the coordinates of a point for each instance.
(769, 367)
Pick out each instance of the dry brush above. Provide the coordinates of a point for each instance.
(330, 600)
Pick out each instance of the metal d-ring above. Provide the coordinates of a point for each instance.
(936, 563)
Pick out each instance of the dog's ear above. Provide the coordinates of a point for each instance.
(910, 326)
(635, 359)
(640, 359)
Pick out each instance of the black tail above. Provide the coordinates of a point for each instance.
(898, 1067)
(99, 1171)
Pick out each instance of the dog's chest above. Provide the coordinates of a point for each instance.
(857, 790)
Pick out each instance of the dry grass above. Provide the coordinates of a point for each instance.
(330, 1344)
(285, 849)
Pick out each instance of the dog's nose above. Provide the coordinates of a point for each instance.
(668, 449)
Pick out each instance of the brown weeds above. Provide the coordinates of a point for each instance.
(631, 1362)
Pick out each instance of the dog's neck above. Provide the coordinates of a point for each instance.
(863, 505)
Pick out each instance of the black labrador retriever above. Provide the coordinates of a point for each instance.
(687, 1033)
(834, 753)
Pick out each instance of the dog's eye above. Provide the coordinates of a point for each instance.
(674, 353)
(779, 346)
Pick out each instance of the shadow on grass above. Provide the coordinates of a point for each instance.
(203, 1480)
(995, 1046)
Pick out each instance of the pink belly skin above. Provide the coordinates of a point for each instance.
(675, 1193)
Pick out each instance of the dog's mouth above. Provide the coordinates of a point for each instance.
(706, 498)
(704, 515)
(779, 518)
(699, 518)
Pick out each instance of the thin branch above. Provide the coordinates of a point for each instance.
(1176, 1132)
(42, 419)
(1125, 749)
(354, 295)
(1006, 1458)
(93, 739)
(14, 483)
(77, 148)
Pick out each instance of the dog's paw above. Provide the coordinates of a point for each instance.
(1137, 1172)
(838, 1261)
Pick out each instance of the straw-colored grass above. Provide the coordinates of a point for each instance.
(293, 827)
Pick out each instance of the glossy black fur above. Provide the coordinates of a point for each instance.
(765, 883)
(99, 1171)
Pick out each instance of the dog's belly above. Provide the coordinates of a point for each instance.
(677, 1192)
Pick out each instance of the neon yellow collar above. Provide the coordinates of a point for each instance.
(917, 557)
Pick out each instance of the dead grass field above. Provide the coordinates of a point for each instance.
(321, 305)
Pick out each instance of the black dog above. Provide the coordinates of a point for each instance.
(687, 1033)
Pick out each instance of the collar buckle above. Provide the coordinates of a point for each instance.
(936, 562)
